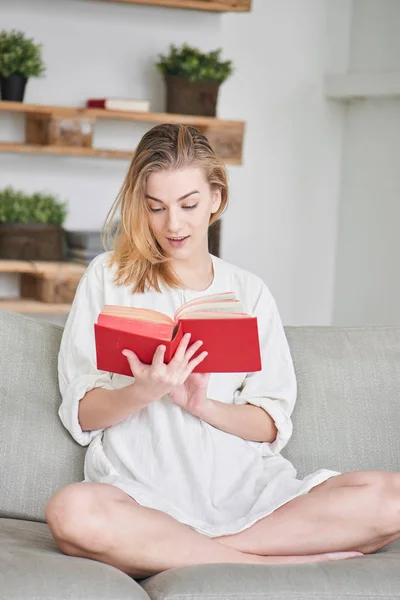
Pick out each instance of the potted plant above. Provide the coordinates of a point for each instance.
(20, 58)
(31, 225)
(192, 79)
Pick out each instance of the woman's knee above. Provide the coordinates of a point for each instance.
(382, 489)
(77, 516)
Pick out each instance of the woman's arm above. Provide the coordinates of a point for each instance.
(263, 404)
(101, 408)
(246, 421)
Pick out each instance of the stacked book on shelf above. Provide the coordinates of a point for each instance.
(83, 246)
(119, 104)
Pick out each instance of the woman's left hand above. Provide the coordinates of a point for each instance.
(192, 394)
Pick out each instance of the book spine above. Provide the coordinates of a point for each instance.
(92, 103)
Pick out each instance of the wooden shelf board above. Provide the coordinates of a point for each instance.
(206, 5)
(26, 305)
(21, 148)
(46, 269)
(139, 116)
(348, 86)
(226, 137)
(63, 150)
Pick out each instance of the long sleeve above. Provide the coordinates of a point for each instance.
(274, 387)
(77, 371)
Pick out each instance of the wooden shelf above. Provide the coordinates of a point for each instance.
(63, 150)
(226, 136)
(25, 305)
(41, 281)
(351, 86)
(41, 268)
(140, 116)
(207, 5)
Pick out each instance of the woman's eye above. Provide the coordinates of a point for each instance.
(191, 207)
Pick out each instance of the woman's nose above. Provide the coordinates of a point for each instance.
(173, 221)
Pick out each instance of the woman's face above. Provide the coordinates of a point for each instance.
(180, 204)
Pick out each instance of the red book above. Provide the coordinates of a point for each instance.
(124, 104)
(229, 335)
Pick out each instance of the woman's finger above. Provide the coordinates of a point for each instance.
(158, 356)
(192, 349)
(193, 363)
(180, 351)
(134, 363)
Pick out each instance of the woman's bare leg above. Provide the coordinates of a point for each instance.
(354, 511)
(99, 521)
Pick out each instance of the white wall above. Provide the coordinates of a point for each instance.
(367, 289)
(282, 221)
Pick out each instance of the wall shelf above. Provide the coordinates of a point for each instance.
(38, 279)
(41, 268)
(25, 305)
(225, 136)
(351, 86)
(206, 5)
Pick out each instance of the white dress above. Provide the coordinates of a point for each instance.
(164, 457)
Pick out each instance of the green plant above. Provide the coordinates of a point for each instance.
(19, 54)
(18, 207)
(194, 65)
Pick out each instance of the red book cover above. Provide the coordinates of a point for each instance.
(96, 103)
(232, 343)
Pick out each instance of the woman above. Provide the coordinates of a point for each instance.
(185, 468)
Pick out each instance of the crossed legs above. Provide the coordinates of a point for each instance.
(355, 512)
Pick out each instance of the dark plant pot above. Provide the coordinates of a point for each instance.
(12, 88)
(31, 241)
(191, 97)
(214, 236)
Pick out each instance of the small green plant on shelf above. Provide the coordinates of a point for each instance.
(19, 54)
(18, 207)
(193, 79)
(194, 65)
(20, 58)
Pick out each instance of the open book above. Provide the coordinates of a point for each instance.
(229, 335)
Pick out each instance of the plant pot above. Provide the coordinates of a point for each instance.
(12, 88)
(191, 97)
(214, 236)
(31, 241)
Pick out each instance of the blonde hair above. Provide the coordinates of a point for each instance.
(139, 259)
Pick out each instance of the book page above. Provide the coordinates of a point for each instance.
(213, 315)
(213, 300)
(232, 306)
(136, 314)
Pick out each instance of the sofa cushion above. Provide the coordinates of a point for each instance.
(31, 566)
(373, 577)
(38, 454)
(347, 414)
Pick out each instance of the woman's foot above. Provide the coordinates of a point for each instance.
(308, 558)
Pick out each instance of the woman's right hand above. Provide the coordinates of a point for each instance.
(158, 379)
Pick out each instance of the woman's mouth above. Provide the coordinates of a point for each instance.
(177, 242)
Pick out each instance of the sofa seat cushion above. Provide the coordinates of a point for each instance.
(372, 577)
(32, 567)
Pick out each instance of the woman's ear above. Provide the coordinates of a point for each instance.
(216, 200)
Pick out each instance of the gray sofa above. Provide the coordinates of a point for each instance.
(347, 418)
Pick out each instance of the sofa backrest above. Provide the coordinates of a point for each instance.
(347, 415)
(37, 455)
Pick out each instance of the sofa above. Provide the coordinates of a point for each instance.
(347, 418)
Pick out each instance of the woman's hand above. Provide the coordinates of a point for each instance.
(158, 379)
(192, 394)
